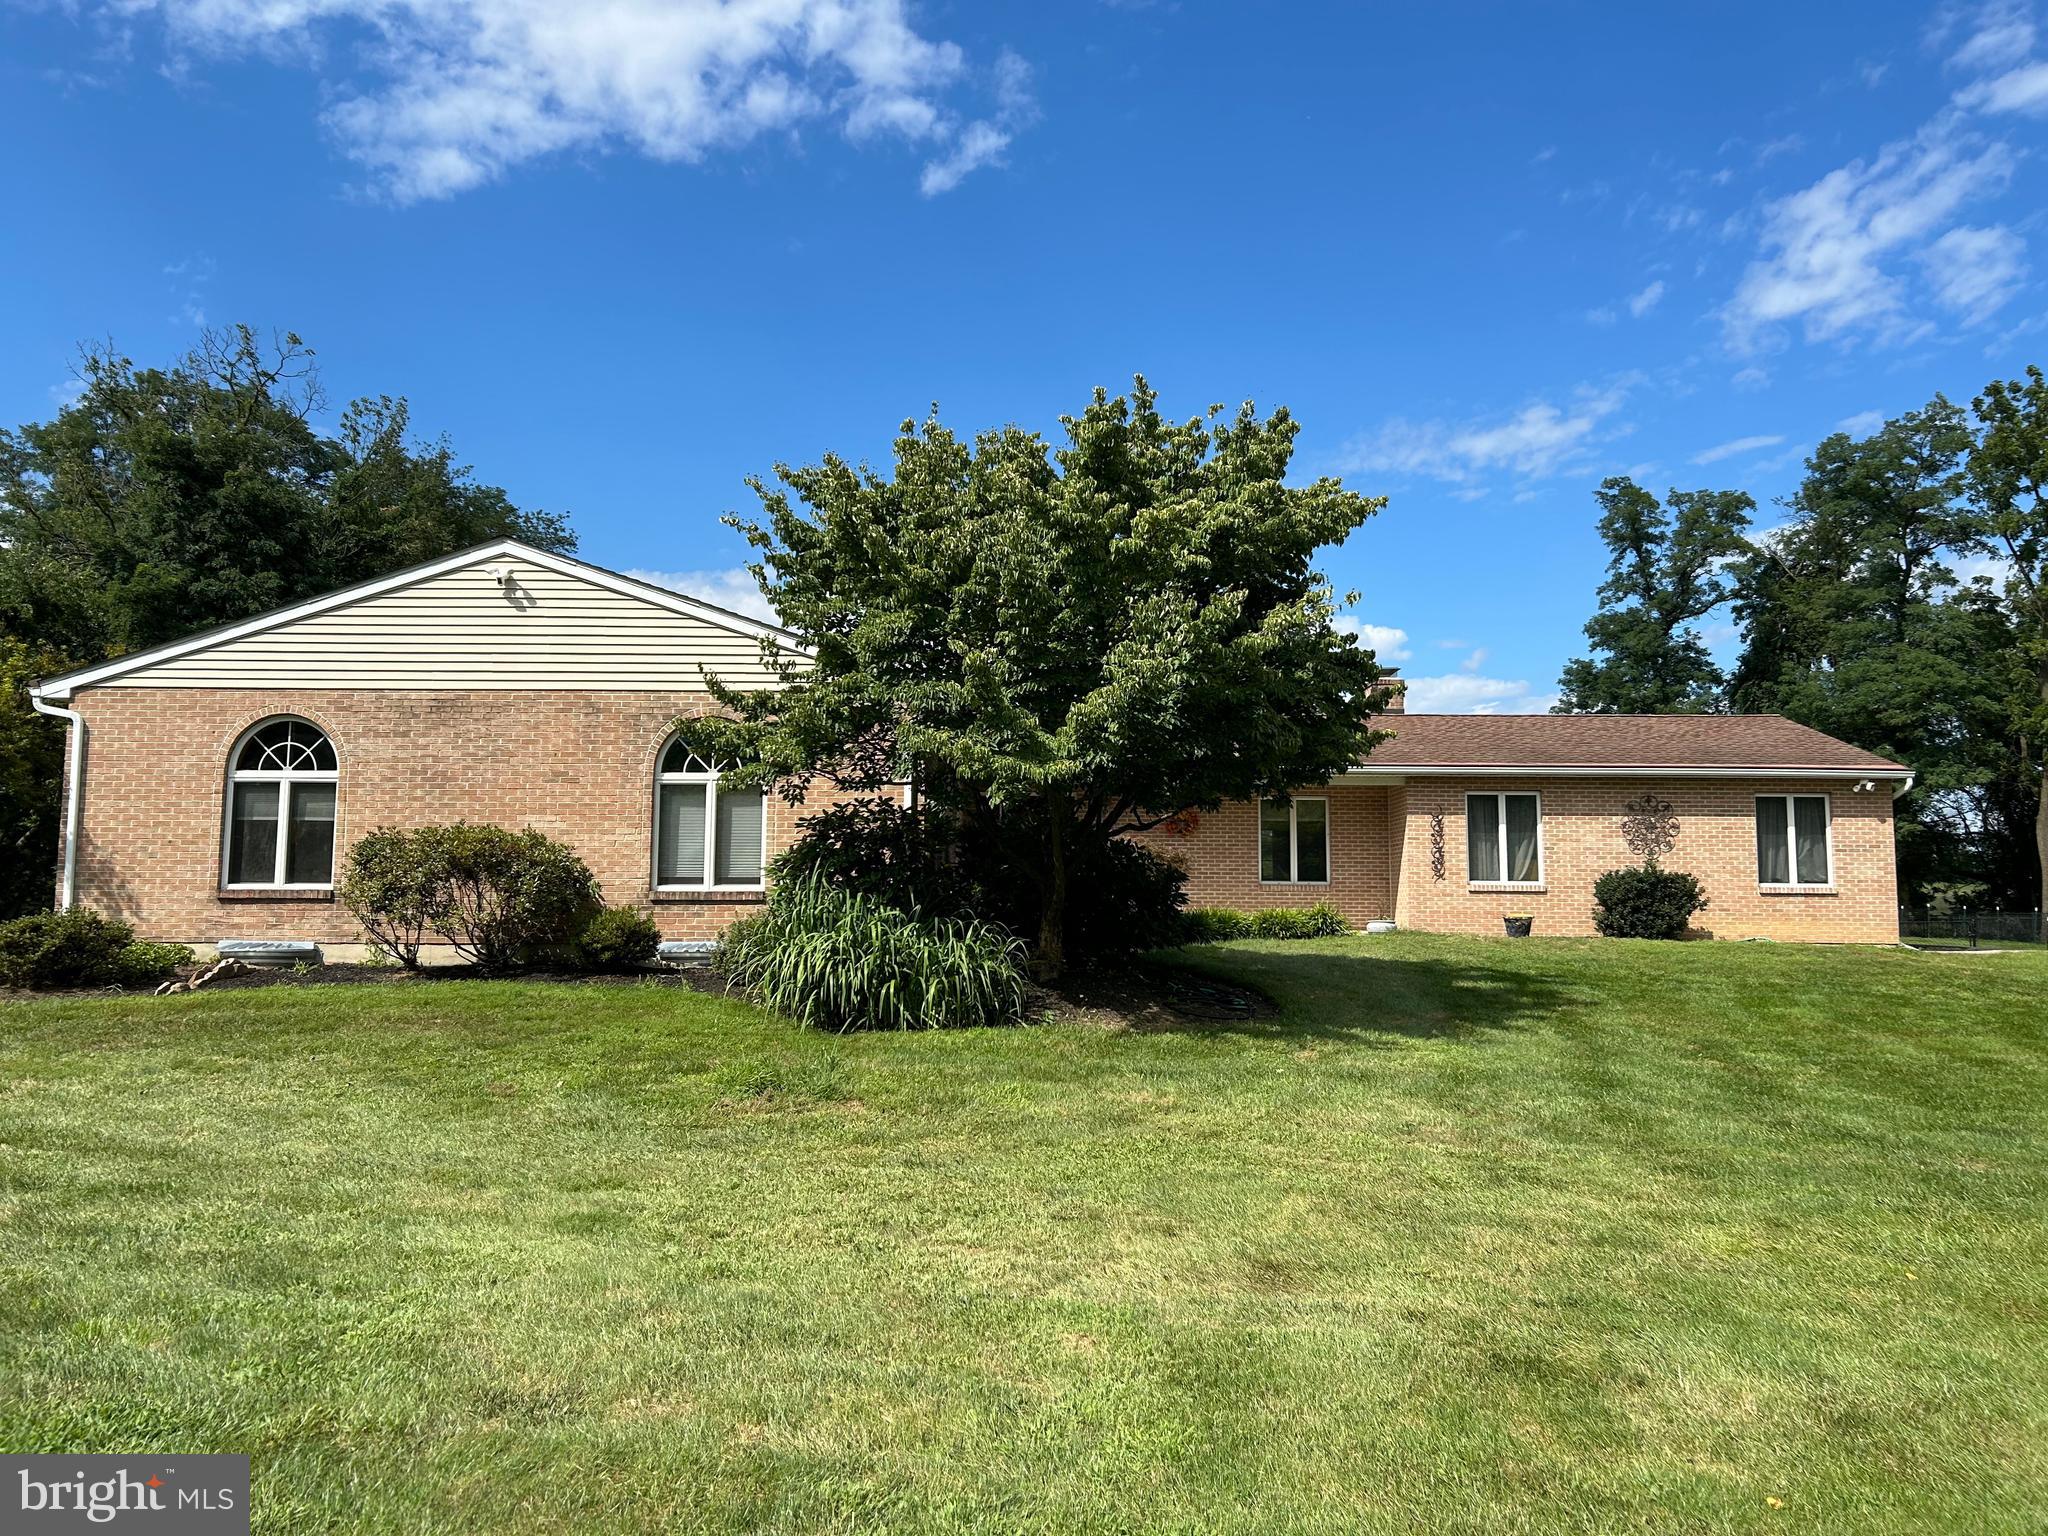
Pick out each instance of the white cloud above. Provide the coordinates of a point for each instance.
(1825, 249)
(1386, 642)
(1604, 315)
(1751, 378)
(1974, 271)
(1464, 693)
(1862, 424)
(1538, 440)
(983, 143)
(1993, 36)
(2023, 90)
(1791, 143)
(451, 94)
(1728, 450)
(1475, 661)
(734, 589)
(1644, 300)
(1996, 568)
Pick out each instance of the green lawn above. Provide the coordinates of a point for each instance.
(1476, 1236)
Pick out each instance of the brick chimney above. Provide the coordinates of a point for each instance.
(1389, 694)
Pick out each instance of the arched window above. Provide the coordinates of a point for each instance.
(281, 782)
(705, 837)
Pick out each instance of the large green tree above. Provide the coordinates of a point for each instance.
(1059, 644)
(1855, 623)
(164, 500)
(2008, 489)
(1665, 572)
(161, 501)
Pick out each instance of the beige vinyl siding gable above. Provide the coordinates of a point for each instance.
(462, 629)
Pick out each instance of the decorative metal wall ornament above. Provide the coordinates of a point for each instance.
(1649, 828)
(1436, 845)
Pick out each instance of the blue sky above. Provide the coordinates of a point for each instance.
(626, 255)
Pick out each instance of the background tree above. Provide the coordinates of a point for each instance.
(1061, 645)
(2008, 487)
(1855, 623)
(1664, 572)
(166, 500)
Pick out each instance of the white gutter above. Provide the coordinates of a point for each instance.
(1533, 771)
(74, 804)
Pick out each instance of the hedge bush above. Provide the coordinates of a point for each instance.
(388, 886)
(838, 960)
(74, 948)
(1646, 902)
(144, 965)
(506, 901)
(901, 857)
(1213, 925)
(618, 939)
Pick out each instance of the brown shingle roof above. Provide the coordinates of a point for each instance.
(1615, 741)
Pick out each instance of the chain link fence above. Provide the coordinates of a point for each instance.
(1971, 930)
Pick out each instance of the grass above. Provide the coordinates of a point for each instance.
(1474, 1236)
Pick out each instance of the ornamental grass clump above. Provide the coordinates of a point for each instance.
(838, 960)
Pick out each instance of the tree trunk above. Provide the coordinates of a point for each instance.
(1050, 961)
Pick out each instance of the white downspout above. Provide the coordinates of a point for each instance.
(74, 806)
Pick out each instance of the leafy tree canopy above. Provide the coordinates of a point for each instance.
(1855, 624)
(1059, 645)
(1665, 571)
(163, 501)
(2008, 493)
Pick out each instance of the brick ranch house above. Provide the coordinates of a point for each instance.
(213, 785)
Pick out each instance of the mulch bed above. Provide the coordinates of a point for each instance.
(1129, 997)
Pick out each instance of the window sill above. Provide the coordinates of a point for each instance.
(1796, 890)
(1507, 887)
(324, 893)
(752, 895)
(1317, 885)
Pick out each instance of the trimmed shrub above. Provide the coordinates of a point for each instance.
(506, 901)
(618, 939)
(901, 857)
(75, 948)
(838, 960)
(144, 965)
(1646, 902)
(387, 885)
(1212, 925)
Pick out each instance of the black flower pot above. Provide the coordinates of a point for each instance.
(1518, 927)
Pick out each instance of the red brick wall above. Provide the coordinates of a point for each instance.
(576, 765)
(579, 766)
(1716, 842)
(1380, 863)
(1221, 856)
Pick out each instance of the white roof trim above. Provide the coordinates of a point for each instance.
(676, 602)
(1580, 771)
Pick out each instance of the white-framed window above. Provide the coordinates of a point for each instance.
(1294, 841)
(705, 837)
(1794, 840)
(279, 821)
(1504, 839)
